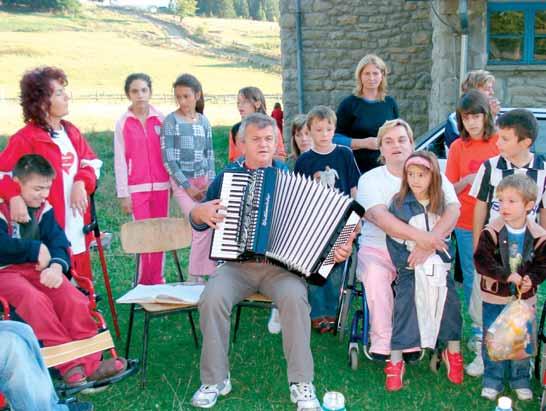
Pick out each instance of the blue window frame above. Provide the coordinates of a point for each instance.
(516, 33)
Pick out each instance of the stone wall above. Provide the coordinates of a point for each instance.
(337, 34)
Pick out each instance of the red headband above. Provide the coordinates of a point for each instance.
(418, 161)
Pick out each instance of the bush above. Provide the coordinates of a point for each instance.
(71, 6)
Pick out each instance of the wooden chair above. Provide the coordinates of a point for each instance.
(256, 300)
(150, 236)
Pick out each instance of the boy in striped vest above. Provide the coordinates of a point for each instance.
(518, 130)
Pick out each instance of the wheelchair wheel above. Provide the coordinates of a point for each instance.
(543, 401)
(344, 313)
(353, 358)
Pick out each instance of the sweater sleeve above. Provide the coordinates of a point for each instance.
(345, 117)
(537, 267)
(120, 163)
(168, 150)
(484, 259)
(211, 172)
(17, 147)
(53, 236)
(16, 250)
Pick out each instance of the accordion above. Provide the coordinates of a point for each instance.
(289, 219)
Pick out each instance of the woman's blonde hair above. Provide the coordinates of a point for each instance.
(477, 79)
(380, 64)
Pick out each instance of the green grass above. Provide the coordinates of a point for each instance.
(258, 368)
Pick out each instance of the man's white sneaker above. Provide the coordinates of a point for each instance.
(206, 395)
(274, 323)
(475, 368)
(303, 395)
(524, 394)
(489, 393)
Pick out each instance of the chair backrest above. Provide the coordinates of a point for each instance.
(155, 235)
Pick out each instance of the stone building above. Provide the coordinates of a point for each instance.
(421, 42)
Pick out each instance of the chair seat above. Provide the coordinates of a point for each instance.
(157, 307)
(260, 298)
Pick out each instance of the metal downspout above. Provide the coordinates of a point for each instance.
(463, 16)
(299, 57)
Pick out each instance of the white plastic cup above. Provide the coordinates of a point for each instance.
(333, 401)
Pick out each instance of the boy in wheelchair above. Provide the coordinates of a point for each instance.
(34, 261)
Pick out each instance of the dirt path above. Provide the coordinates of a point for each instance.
(180, 37)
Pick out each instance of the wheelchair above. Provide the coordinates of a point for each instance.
(56, 355)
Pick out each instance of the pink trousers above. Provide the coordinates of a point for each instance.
(200, 264)
(376, 271)
(56, 315)
(150, 204)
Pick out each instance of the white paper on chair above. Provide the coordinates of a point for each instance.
(175, 293)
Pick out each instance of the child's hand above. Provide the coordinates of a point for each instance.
(52, 277)
(126, 206)
(78, 198)
(526, 284)
(515, 278)
(195, 193)
(18, 210)
(43, 258)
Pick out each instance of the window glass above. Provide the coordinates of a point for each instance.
(507, 49)
(540, 22)
(540, 49)
(540, 143)
(506, 22)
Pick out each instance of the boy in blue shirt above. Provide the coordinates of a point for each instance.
(335, 167)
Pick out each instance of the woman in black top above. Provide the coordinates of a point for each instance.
(360, 115)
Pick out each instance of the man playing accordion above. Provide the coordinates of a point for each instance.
(234, 281)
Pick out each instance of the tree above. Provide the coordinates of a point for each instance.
(186, 8)
(271, 9)
(241, 8)
(224, 9)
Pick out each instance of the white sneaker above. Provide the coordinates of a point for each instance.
(206, 395)
(303, 395)
(274, 323)
(489, 393)
(524, 394)
(475, 368)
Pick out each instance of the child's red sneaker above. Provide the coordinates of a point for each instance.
(454, 365)
(395, 375)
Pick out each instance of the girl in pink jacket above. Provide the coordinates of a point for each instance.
(142, 183)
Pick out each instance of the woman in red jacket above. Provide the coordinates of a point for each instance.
(45, 102)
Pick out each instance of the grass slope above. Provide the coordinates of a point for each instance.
(258, 368)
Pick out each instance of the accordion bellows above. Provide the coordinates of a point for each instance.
(290, 219)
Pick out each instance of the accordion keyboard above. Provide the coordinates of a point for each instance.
(225, 244)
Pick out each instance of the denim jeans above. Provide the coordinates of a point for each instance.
(466, 254)
(24, 378)
(493, 376)
(324, 299)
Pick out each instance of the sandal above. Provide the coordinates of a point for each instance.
(109, 368)
(75, 376)
(319, 323)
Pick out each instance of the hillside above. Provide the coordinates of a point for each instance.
(97, 49)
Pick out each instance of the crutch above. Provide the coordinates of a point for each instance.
(93, 226)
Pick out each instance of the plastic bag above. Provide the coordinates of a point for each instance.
(510, 337)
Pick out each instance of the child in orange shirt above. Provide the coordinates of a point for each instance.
(478, 143)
